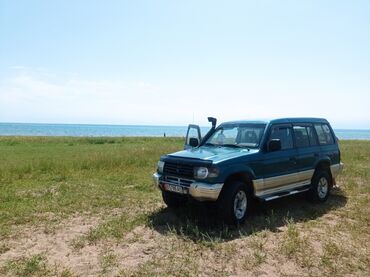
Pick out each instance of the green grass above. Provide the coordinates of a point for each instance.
(33, 266)
(68, 175)
(45, 181)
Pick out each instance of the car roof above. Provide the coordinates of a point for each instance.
(280, 121)
(245, 122)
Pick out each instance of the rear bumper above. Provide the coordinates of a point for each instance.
(198, 190)
(336, 169)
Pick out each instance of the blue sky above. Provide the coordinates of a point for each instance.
(167, 62)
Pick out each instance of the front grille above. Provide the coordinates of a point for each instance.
(176, 169)
(178, 181)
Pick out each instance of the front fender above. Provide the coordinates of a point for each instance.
(236, 169)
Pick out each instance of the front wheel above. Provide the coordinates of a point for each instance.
(320, 186)
(234, 203)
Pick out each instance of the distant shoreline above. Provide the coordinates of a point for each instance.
(101, 130)
(137, 125)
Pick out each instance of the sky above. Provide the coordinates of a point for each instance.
(177, 62)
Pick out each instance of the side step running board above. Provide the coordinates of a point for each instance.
(283, 194)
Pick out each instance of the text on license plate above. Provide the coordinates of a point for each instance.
(174, 188)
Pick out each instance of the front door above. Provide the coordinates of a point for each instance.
(280, 167)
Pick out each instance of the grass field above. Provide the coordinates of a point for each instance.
(87, 206)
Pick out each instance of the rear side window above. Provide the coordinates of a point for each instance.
(324, 134)
(311, 136)
(301, 136)
(284, 133)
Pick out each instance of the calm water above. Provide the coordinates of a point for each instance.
(78, 130)
(31, 129)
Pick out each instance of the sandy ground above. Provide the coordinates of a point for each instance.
(146, 250)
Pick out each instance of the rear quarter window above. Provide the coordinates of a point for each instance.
(324, 134)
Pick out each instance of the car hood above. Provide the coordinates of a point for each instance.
(213, 153)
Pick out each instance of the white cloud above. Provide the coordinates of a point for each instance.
(30, 96)
(18, 67)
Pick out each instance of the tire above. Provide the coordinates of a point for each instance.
(234, 203)
(321, 185)
(174, 200)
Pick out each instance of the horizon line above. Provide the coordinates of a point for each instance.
(145, 125)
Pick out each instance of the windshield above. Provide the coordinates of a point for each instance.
(237, 135)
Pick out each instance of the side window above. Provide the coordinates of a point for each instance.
(284, 133)
(324, 134)
(311, 136)
(301, 136)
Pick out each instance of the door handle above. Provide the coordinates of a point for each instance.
(293, 160)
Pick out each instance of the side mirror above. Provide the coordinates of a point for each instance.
(274, 145)
(193, 142)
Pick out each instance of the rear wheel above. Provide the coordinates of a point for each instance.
(234, 203)
(320, 186)
(174, 200)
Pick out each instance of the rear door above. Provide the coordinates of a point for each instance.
(192, 132)
(308, 151)
(280, 167)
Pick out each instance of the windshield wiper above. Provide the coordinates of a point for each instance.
(232, 145)
(209, 144)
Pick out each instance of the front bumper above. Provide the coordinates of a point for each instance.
(198, 190)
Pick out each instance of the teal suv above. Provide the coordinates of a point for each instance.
(239, 161)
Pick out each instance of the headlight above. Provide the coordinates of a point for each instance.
(205, 172)
(200, 172)
(160, 167)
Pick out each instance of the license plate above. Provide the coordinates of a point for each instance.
(174, 188)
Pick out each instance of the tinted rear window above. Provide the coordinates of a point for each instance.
(324, 134)
(312, 136)
(301, 136)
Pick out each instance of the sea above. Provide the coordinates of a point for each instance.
(97, 130)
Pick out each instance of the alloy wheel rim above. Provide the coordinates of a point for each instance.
(323, 187)
(240, 204)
